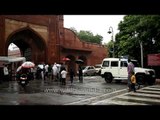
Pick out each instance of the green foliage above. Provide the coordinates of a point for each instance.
(88, 36)
(109, 46)
(147, 28)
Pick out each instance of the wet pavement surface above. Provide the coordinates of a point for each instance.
(49, 92)
(148, 95)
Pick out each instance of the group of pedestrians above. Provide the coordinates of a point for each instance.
(57, 72)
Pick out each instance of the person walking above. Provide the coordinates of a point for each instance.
(64, 75)
(6, 72)
(54, 72)
(80, 74)
(46, 71)
(71, 73)
(130, 69)
(133, 81)
(50, 72)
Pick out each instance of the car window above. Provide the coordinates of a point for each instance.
(105, 64)
(124, 64)
(114, 63)
(91, 68)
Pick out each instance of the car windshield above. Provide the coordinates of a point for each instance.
(136, 64)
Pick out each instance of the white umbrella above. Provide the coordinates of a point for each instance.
(28, 64)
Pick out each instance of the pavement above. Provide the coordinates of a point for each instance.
(102, 99)
(148, 95)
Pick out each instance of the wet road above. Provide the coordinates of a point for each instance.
(149, 95)
(40, 92)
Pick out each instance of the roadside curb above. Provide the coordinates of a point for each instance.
(98, 98)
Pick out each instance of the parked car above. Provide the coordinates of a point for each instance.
(89, 70)
(98, 68)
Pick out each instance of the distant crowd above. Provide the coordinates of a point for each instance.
(55, 72)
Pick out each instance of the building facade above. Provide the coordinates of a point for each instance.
(43, 39)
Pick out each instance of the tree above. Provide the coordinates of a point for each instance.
(74, 30)
(88, 36)
(109, 47)
(147, 28)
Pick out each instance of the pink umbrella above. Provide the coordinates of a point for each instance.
(28, 64)
(66, 59)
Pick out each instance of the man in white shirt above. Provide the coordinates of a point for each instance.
(64, 75)
(6, 73)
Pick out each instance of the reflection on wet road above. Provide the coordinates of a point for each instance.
(48, 92)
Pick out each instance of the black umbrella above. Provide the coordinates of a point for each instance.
(79, 61)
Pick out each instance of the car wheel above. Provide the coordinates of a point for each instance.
(108, 78)
(140, 79)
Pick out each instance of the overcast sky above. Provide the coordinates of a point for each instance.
(97, 24)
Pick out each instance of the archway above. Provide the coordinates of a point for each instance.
(31, 45)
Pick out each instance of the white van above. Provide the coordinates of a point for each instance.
(116, 69)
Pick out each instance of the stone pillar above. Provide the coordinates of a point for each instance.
(53, 47)
(2, 36)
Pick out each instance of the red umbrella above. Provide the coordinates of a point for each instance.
(28, 64)
(66, 59)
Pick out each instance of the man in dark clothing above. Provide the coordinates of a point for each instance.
(71, 73)
(80, 74)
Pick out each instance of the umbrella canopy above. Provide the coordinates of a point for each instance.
(79, 61)
(66, 59)
(19, 68)
(28, 64)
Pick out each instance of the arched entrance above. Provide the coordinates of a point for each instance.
(31, 45)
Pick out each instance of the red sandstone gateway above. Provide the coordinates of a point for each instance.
(43, 38)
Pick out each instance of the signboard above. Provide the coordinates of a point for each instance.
(153, 59)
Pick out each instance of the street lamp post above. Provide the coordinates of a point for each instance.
(111, 31)
(141, 47)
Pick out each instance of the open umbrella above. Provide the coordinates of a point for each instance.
(79, 61)
(28, 64)
(66, 59)
(19, 68)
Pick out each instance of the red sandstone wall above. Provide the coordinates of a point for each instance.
(34, 19)
(98, 53)
(2, 35)
(58, 35)
(51, 22)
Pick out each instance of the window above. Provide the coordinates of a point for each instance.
(114, 63)
(105, 64)
(124, 64)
